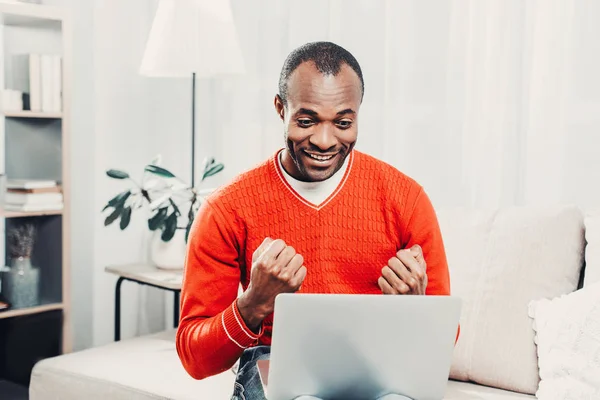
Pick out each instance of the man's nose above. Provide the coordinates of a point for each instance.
(324, 138)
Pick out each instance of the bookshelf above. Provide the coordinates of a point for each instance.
(35, 145)
(22, 214)
(31, 310)
(32, 114)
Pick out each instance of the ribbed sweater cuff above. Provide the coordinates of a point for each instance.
(236, 329)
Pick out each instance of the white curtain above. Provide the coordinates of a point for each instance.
(485, 103)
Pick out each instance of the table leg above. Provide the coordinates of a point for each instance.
(175, 309)
(118, 309)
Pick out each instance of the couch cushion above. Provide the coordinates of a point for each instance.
(499, 261)
(469, 391)
(592, 250)
(133, 369)
(568, 342)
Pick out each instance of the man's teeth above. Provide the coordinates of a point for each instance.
(319, 158)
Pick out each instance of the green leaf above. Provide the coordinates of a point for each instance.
(118, 200)
(155, 169)
(125, 217)
(113, 216)
(170, 227)
(117, 174)
(213, 170)
(157, 219)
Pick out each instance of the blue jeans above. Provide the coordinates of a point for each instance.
(248, 385)
(247, 382)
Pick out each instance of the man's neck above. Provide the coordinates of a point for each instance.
(314, 192)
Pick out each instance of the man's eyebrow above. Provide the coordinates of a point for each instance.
(313, 113)
(307, 111)
(346, 111)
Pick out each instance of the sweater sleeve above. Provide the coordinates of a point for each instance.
(423, 229)
(211, 335)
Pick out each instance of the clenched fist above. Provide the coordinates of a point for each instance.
(406, 273)
(276, 268)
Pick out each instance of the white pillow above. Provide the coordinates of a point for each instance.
(499, 261)
(568, 345)
(592, 250)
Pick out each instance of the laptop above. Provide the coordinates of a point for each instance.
(360, 346)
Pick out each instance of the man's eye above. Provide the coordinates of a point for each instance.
(305, 123)
(344, 124)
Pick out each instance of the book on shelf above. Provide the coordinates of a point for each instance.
(54, 189)
(29, 184)
(37, 80)
(33, 208)
(32, 195)
(33, 198)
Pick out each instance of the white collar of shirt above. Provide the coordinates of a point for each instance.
(314, 192)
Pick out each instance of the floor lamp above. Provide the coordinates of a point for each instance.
(192, 38)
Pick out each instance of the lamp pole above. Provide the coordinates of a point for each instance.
(193, 182)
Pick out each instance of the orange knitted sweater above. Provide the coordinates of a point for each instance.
(345, 241)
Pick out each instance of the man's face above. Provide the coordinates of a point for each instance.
(320, 121)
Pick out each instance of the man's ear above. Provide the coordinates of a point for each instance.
(279, 107)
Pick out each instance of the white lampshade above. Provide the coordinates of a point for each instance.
(192, 36)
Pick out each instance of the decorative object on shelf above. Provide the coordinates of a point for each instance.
(21, 280)
(172, 204)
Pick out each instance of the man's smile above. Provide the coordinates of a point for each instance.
(318, 159)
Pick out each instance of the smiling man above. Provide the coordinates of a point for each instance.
(316, 217)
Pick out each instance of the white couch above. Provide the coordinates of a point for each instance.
(500, 261)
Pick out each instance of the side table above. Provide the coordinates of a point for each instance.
(146, 274)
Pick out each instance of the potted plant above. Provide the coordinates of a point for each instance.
(21, 280)
(172, 205)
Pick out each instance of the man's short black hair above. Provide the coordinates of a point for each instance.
(328, 58)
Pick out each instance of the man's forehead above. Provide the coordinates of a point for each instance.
(308, 84)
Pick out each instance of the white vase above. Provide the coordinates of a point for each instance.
(171, 254)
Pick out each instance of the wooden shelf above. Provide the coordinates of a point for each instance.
(31, 310)
(33, 114)
(30, 15)
(20, 214)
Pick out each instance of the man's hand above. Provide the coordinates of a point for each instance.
(406, 273)
(276, 268)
